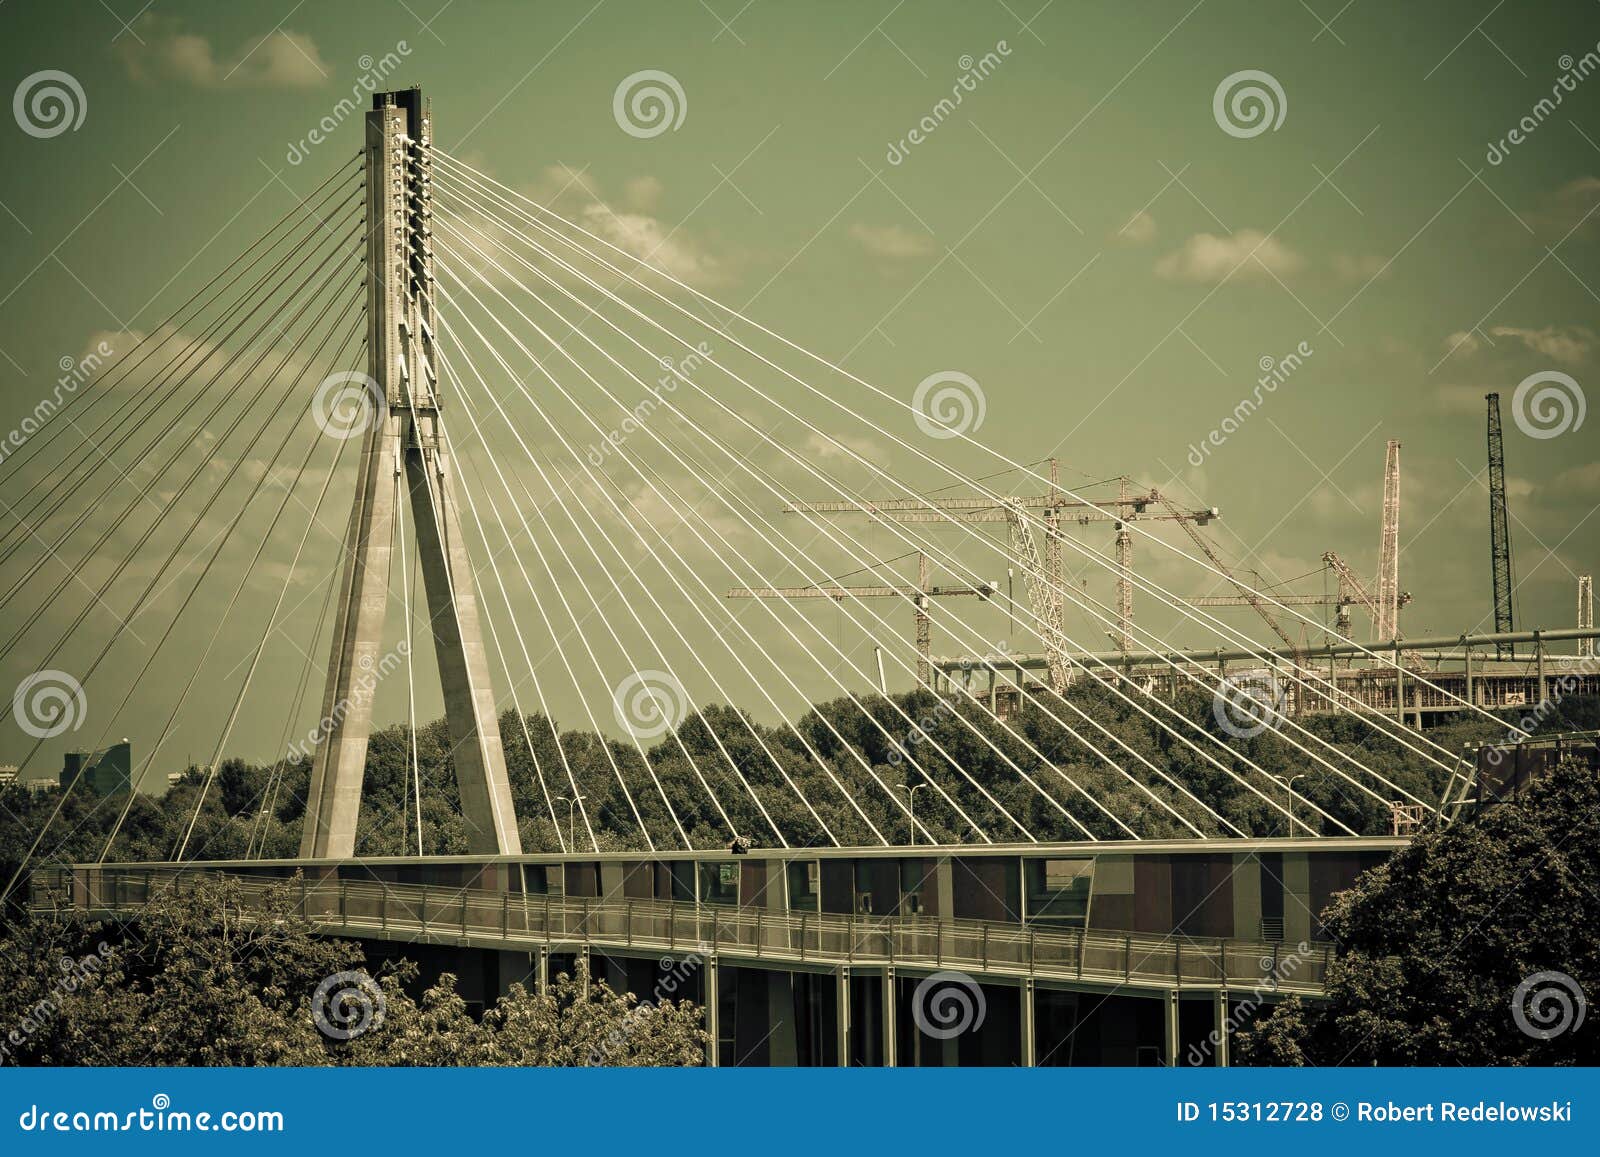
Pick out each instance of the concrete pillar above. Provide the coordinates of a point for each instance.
(782, 1045)
(1169, 1026)
(1222, 1028)
(713, 1012)
(542, 971)
(891, 1025)
(1029, 1045)
(844, 1018)
(1466, 655)
(582, 957)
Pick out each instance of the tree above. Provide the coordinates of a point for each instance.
(203, 977)
(1436, 944)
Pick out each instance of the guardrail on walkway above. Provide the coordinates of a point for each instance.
(434, 914)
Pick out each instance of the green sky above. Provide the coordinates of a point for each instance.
(1067, 237)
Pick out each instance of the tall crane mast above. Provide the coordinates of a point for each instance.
(1499, 530)
(1586, 612)
(1388, 617)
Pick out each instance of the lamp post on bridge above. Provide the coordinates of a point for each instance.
(572, 826)
(1288, 787)
(911, 805)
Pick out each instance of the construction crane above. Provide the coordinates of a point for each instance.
(1046, 601)
(1388, 608)
(1350, 592)
(918, 596)
(1052, 509)
(1499, 530)
(1247, 594)
(1353, 592)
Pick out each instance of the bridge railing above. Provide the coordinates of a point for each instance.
(498, 919)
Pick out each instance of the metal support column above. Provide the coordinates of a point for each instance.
(713, 1013)
(1538, 654)
(542, 976)
(1222, 1028)
(844, 1017)
(891, 1025)
(1169, 1025)
(1029, 1043)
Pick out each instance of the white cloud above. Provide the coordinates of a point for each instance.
(1206, 257)
(1570, 209)
(163, 50)
(643, 193)
(1140, 230)
(1568, 346)
(1462, 342)
(891, 241)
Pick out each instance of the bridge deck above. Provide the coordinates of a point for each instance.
(995, 951)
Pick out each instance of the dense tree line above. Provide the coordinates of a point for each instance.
(844, 762)
(201, 978)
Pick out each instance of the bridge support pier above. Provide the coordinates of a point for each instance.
(713, 1012)
(891, 1026)
(844, 1018)
(1169, 1026)
(1223, 1060)
(1029, 1042)
(404, 459)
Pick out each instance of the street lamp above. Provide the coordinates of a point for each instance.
(1288, 787)
(572, 837)
(911, 805)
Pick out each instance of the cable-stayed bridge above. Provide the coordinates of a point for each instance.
(557, 459)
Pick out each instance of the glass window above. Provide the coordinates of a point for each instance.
(1058, 891)
(805, 885)
(719, 882)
